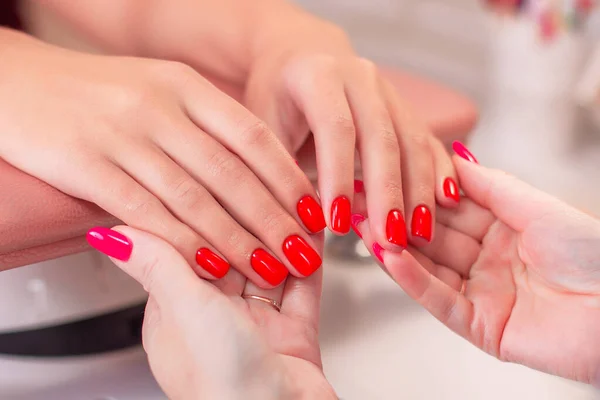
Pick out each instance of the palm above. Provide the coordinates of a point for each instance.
(518, 278)
(530, 289)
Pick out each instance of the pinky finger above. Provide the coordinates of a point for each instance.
(447, 192)
(443, 302)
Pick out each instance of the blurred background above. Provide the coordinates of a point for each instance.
(530, 73)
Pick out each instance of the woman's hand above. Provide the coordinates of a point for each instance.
(307, 79)
(207, 342)
(514, 271)
(160, 148)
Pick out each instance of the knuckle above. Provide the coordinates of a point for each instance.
(420, 142)
(367, 66)
(189, 193)
(148, 272)
(223, 163)
(256, 133)
(343, 124)
(141, 205)
(273, 220)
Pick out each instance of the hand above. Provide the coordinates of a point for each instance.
(207, 342)
(161, 149)
(514, 271)
(308, 79)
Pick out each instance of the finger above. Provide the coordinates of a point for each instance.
(447, 275)
(253, 142)
(418, 174)
(246, 199)
(380, 157)
(156, 265)
(192, 204)
(447, 191)
(453, 249)
(512, 201)
(320, 96)
(232, 285)
(468, 218)
(301, 299)
(443, 302)
(258, 307)
(131, 203)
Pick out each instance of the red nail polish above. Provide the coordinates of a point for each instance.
(303, 257)
(311, 214)
(422, 223)
(340, 215)
(378, 251)
(463, 152)
(212, 263)
(355, 220)
(396, 229)
(111, 243)
(451, 189)
(359, 186)
(268, 267)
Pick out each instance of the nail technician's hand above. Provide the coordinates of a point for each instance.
(207, 342)
(161, 149)
(529, 269)
(309, 80)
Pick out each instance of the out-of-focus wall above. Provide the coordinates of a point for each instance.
(443, 39)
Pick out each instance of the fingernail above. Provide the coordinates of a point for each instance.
(212, 263)
(340, 215)
(110, 242)
(421, 223)
(268, 267)
(396, 229)
(463, 152)
(303, 257)
(378, 251)
(451, 189)
(311, 214)
(359, 186)
(355, 220)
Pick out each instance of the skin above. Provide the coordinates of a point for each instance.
(153, 143)
(300, 75)
(205, 341)
(531, 274)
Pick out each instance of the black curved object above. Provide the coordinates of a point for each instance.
(107, 332)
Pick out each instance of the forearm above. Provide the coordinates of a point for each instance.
(220, 38)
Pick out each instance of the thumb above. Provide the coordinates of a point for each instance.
(510, 200)
(155, 264)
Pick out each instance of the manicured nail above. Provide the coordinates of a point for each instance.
(111, 243)
(359, 186)
(311, 214)
(212, 263)
(340, 215)
(422, 223)
(268, 267)
(463, 152)
(303, 257)
(378, 251)
(355, 220)
(451, 189)
(396, 229)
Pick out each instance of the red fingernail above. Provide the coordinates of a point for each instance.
(303, 257)
(212, 263)
(111, 243)
(421, 223)
(396, 229)
(268, 267)
(340, 215)
(359, 186)
(463, 152)
(311, 214)
(355, 220)
(451, 189)
(378, 251)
